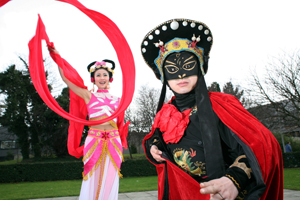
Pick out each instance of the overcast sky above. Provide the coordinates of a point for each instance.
(246, 34)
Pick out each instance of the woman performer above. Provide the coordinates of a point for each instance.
(103, 149)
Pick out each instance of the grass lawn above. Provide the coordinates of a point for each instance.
(31, 190)
(291, 178)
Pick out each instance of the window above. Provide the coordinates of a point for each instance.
(8, 144)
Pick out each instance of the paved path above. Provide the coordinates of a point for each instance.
(152, 195)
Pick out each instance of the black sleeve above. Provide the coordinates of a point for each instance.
(237, 166)
(156, 139)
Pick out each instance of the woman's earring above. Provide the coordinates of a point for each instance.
(108, 86)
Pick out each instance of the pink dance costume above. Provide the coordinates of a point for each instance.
(103, 152)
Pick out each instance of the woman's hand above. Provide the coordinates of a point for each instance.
(51, 48)
(222, 188)
(156, 153)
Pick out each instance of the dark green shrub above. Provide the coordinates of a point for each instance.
(50, 171)
(291, 160)
(9, 156)
(133, 149)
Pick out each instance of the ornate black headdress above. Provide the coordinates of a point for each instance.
(173, 36)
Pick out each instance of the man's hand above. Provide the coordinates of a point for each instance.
(156, 153)
(222, 188)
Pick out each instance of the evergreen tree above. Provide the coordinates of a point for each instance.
(24, 109)
(214, 87)
(228, 88)
(13, 84)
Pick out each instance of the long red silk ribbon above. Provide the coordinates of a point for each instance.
(78, 111)
(2, 2)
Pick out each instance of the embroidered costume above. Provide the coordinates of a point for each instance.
(204, 135)
(103, 152)
(103, 149)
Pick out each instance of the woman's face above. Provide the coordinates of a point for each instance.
(101, 77)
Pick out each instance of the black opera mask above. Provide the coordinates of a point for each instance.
(180, 65)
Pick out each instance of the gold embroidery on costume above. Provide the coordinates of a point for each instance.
(116, 167)
(117, 149)
(242, 166)
(194, 110)
(183, 159)
(90, 151)
(155, 142)
(242, 195)
(104, 154)
(236, 183)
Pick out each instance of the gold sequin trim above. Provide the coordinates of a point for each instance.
(101, 171)
(103, 138)
(242, 166)
(90, 151)
(118, 150)
(233, 180)
(104, 151)
(113, 162)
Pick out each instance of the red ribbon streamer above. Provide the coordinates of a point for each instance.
(78, 111)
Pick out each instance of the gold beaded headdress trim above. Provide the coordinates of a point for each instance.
(177, 45)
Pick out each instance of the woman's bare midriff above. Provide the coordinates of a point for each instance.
(105, 126)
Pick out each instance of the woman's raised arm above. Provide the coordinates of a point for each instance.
(81, 92)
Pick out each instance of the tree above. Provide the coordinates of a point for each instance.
(12, 84)
(146, 103)
(214, 87)
(141, 115)
(24, 109)
(228, 88)
(55, 131)
(280, 90)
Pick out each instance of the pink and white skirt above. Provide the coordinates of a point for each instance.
(103, 155)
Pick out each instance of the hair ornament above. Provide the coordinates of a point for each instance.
(160, 44)
(195, 40)
(101, 64)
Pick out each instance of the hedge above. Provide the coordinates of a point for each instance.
(30, 172)
(291, 160)
(51, 171)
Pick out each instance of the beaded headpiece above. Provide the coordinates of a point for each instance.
(174, 36)
(101, 64)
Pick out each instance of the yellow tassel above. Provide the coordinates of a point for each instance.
(90, 151)
(120, 175)
(118, 150)
(103, 154)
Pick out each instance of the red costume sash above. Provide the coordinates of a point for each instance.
(78, 111)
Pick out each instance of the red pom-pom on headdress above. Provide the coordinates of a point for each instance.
(92, 79)
(111, 79)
